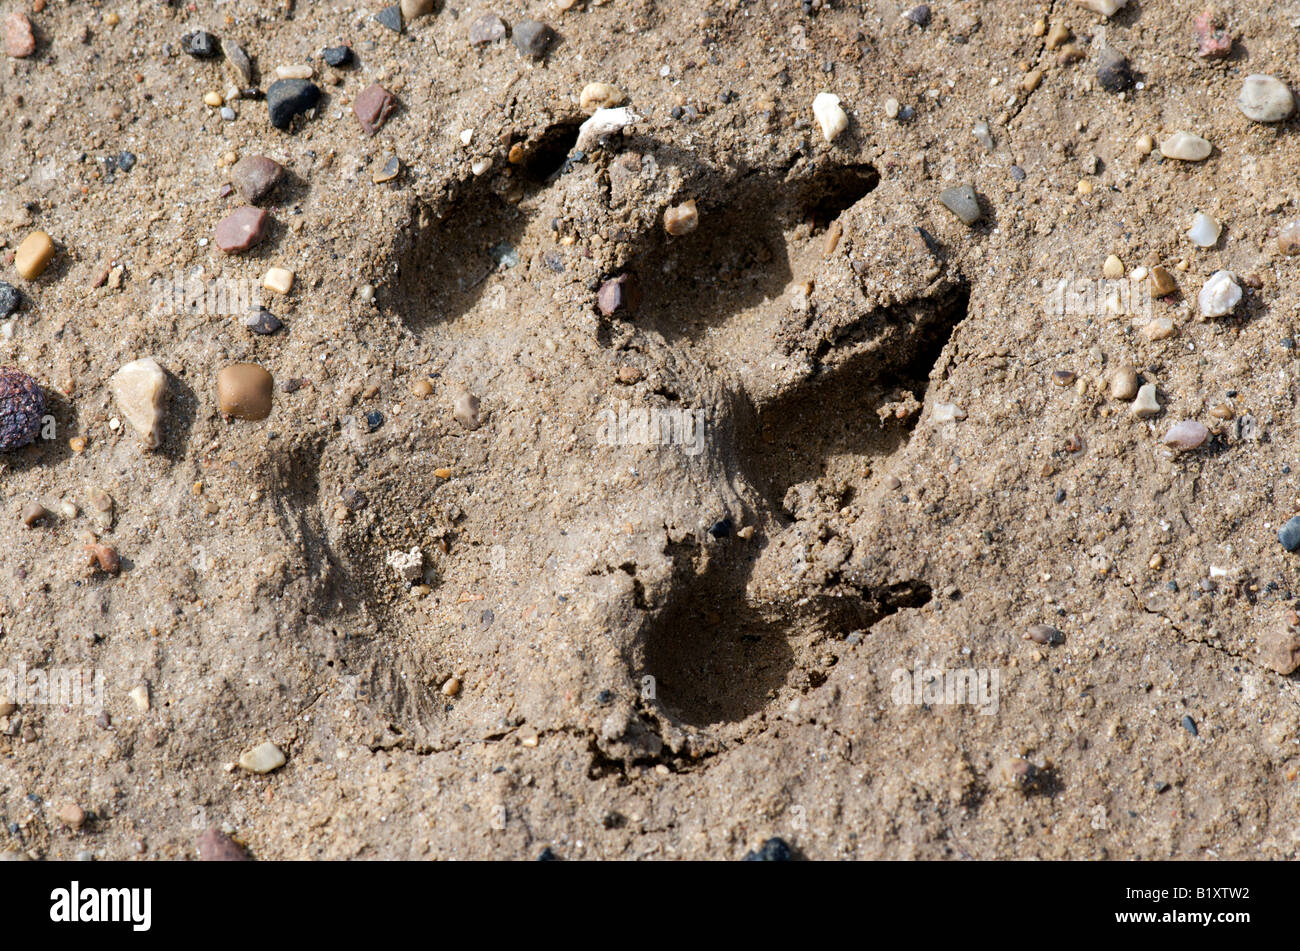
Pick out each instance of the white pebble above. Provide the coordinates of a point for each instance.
(1146, 404)
(293, 72)
(1265, 99)
(408, 565)
(1204, 231)
(1187, 435)
(1220, 294)
(829, 115)
(891, 107)
(263, 758)
(278, 280)
(1186, 147)
(603, 123)
(1107, 8)
(948, 413)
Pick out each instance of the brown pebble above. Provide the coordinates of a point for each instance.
(621, 294)
(682, 219)
(1279, 650)
(71, 815)
(105, 558)
(34, 512)
(34, 255)
(1162, 282)
(241, 229)
(1288, 237)
(215, 846)
(630, 375)
(245, 391)
(1124, 384)
(1044, 634)
(8, 708)
(422, 388)
(1063, 377)
(255, 176)
(20, 41)
(372, 107)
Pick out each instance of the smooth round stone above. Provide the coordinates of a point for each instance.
(1288, 238)
(1204, 232)
(245, 391)
(1107, 8)
(962, 202)
(241, 229)
(1289, 534)
(215, 846)
(1186, 147)
(1187, 435)
(34, 255)
(1265, 99)
(1124, 384)
(255, 175)
(1220, 294)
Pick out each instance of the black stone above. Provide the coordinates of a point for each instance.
(287, 98)
(1115, 74)
(126, 161)
(391, 17)
(374, 419)
(605, 697)
(337, 55)
(11, 299)
(262, 321)
(199, 44)
(546, 855)
(773, 850)
(1190, 726)
(721, 529)
(532, 37)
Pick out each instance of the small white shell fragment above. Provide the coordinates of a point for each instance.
(1107, 8)
(140, 388)
(1186, 147)
(1219, 295)
(278, 279)
(603, 122)
(480, 166)
(948, 413)
(1204, 231)
(139, 697)
(829, 115)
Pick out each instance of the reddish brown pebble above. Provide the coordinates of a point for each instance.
(241, 229)
(621, 294)
(105, 558)
(372, 107)
(215, 846)
(19, 39)
(255, 175)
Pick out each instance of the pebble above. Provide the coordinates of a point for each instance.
(891, 108)
(451, 687)
(287, 98)
(414, 9)
(263, 758)
(140, 389)
(772, 850)
(139, 697)
(919, 15)
(239, 62)
(1212, 42)
(212, 99)
(962, 202)
(1186, 147)
(215, 846)
(486, 29)
(1265, 99)
(1057, 36)
(1279, 650)
(682, 219)
(255, 175)
(465, 409)
(1124, 384)
(1219, 295)
(294, 71)
(621, 294)
(1159, 329)
(1190, 726)
(1063, 377)
(104, 558)
(71, 815)
(1162, 282)
(1146, 405)
(245, 391)
(199, 44)
(391, 17)
(20, 41)
(228, 114)
(22, 406)
(829, 115)
(1107, 8)
(1114, 72)
(1288, 241)
(1044, 634)
(34, 255)
(1112, 267)
(1289, 533)
(241, 229)
(278, 280)
(603, 123)
(948, 413)
(34, 512)
(372, 107)
(337, 56)
(10, 299)
(262, 321)
(1187, 435)
(391, 168)
(532, 37)
(1204, 232)
(600, 96)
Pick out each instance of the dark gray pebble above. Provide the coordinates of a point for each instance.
(391, 17)
(337, 55)
(200, 44)
(1289, 534)
(287, 98)
(10, 299)
(532, 37)
(262, 321)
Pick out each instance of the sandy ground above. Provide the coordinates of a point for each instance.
(671, 648)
